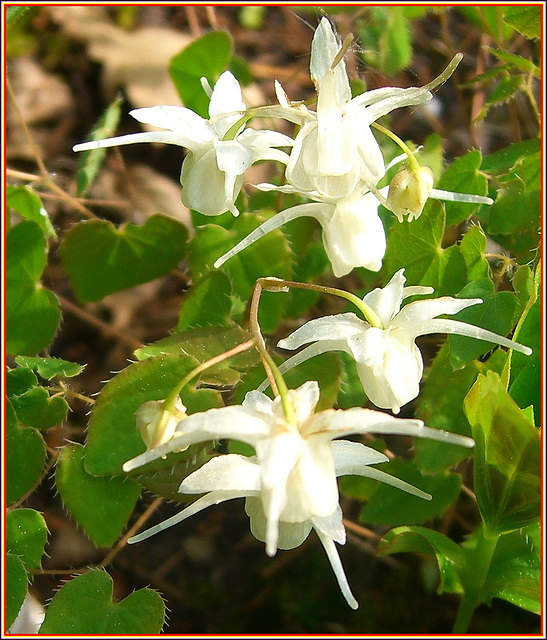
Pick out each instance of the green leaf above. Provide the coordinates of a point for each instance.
(525, 19)
(206, 57)
(15, 587)
(516, 209)
(29, 206)
(505, 159)
(32, 312)
(25, 455)
(35, 408)
(463, 176)
(507, 461)
(489, 19)
(270, 255)
(515, 572)
(13, 14)
(516, 61)
(50, 367)
(26, 536)
(101, 506)
(505, 90)
(207, 303)
(84, 606)
(416, 247)
(473, 247)
(391, 507)
(450, 556)
(395, 42)
(89, 162)
(19, 380)
(112, 437)
(440, 406)
(496, 313)
(100, 259)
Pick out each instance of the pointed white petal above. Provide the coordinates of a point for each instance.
(386, 302)
(338, 569)
(414, 316)
(165, 137)
(181, 120)
(350, 457)
(441, 325)
(226, 97)
(376, 474)
(291, 534)
(210, 499)
(259, 402)
(459, 197)
(335, 327)
(331, 526)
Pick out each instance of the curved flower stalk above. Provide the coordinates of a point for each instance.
(389, 364)
(290, 484)
(221, 148)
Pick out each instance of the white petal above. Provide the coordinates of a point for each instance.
(256, 139)
(291, 534)
(376, 474)
(226, 97)
(331, 526)
(209, 500)
(181, 120)
(350, 457)
(338, 569)
(229, 472)
(258, 402)
(441, 325)
(413, 316)
(232, 157)
(165, 137)
(335, 327)
(386, 302)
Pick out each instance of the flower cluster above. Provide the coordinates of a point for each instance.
(290, 483)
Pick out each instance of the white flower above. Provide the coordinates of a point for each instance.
(335, 152)
(353, 233)
(291, 482)
(389, 363)
(157, 425)
(212, 173)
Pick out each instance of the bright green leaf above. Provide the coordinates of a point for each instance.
(393, 507)
(516, 61)
(496, 313)
(507, 461)
(463, 176)
(89, 162)
(19, 380)
(50, 367)
(395, 42)
(32, 312)
(472, 247)
(25, 455)
(26, 536)
(15, 587)
(35, 408)
(506, 89)
(516, 208)
(206, 57)
(100, 259)
(505, 159)
(101, 506)
(29, 206)
(207, 303)
(84, 606)
(112, 437)
(450, 556)
(525, 19)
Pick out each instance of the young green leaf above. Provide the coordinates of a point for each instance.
(16, 582)
(35, 408)
(207, 303)
(84, 606)
(525, 19)
(50, 367)
(100, 259)
(507, 460)
(29, 206)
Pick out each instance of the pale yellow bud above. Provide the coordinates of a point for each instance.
(409, 191)
(157, 425)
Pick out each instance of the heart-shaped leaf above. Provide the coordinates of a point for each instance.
(32, 312)
(101, 506)
(207, 303)
(16, 587)
(26, 536)
(50, 367)
(35, 408)
(100, 259)
(25, 455)
(84, 606)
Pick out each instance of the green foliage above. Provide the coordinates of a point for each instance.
(28, 205)
(525, 19)
(101, 506)
(84, 606)
(32, 311)
(100, 259)
(26, 536)
(205, 57)
(207, 303)
(507, 458)
(16, 587)
(89, 162)
(50, 367)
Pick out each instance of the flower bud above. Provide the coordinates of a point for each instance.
(409, 191)
(157, 425)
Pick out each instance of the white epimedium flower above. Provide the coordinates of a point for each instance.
(156, 424)
(389, 364)
(353, 233)
(290, 484)
(220, 150)
(336, 150)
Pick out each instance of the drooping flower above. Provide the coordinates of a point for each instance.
(157, 425)
(290, 484)
(389, 364)
(221, 150)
